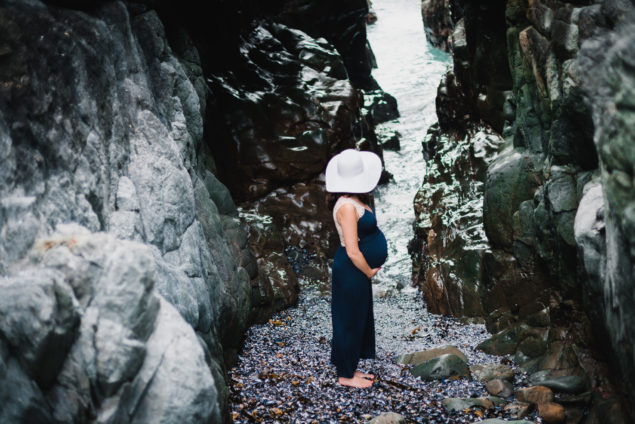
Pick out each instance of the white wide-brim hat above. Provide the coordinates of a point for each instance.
(352, 171)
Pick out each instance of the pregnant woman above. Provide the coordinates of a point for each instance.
(350, 177)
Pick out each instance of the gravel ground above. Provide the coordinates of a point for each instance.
(283, 374)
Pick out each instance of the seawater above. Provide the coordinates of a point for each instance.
(410, 69)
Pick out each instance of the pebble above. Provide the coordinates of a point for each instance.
(283, 373)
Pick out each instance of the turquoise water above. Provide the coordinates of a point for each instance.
(409, 69)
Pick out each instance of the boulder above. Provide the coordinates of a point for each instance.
(441, 367)
(489, 372)
(380, 106)
(437, 22)
(415, 358)
(534, 394)
(99, 324)
(511, 179)
(504, 342)
(551, 412)
(388, 418)
(39, 317)
(574, 384)
(458, 404)
(517, 409)
(499, 388)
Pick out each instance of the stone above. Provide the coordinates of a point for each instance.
(534, 394)
(110, 138)
(437, 23)
(278, 131)
(489, 372)
(499, 421)
(458, 404)
(388, 418)
(503, 343)
(380, 106)
(511, 179)
(416, 358)
(561, 190)
(441, 367)
(126, 195)
(605, 62)
(574, 384)
(533, 345)
(517, 409)
(39, 317)
(589, 232)
(388, 138)
(565, 39)
(551, 412)
(500, 388)
(174, 354)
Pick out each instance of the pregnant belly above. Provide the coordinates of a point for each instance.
(374, 249)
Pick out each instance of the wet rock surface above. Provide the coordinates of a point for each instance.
(545, 257)
(450, 248)
(438, 22)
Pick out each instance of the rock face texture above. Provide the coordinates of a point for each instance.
(86, 336)
(438, 22)
(556, 262)
(283, 104)
(128, 275)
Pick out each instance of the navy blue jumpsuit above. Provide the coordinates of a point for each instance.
(352, 299)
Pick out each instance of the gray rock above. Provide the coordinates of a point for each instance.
(458, 404)
(500, 388)
(110, 137)
(574, 384)
(388, 418)
(561, 190)
(489, 372)
(441, 367)
(39, 318)
(174, 355)
(605, 63)
(511, 179)
(589, 235)
(126, 195)
(21, 397)
(415, 358)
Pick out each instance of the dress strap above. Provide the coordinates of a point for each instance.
(359, 208)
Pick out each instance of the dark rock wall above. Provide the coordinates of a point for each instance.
(553, 78)
(283, 103)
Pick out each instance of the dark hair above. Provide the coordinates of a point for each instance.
(331, 198)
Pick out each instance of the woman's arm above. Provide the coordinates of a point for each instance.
(347, 217)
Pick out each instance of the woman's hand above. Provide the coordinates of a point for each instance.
(372, 273)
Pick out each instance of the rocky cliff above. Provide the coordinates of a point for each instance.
(550, 258)
(127, 273)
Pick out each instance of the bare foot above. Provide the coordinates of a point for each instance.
(356, 381)
(363, 375)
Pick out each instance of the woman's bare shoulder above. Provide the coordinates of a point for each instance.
(346, 208)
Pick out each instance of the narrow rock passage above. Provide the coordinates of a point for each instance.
(283, 373)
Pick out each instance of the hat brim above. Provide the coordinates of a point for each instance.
(362, 183)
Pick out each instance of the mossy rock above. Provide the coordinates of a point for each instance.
(442, 367)
(416, 358)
